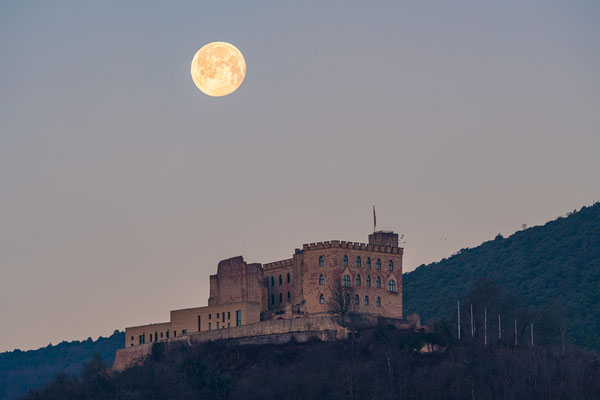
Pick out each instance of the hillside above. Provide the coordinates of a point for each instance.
(21, 370)
(551, 267)
(378, 364)
(554, 267)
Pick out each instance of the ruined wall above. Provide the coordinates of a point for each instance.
(237, 282)
(130, 356)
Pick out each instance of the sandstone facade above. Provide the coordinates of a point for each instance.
(245, 294)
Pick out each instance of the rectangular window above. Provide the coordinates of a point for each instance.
(229, 325)
(199, 325)
(217, 325)
(217, 315)
(142, 339)
(150, 337)
(161, 335)
(209, 316)
(209, 326)
(132, 338)
(183, 332)
(174, 333)
(228, 314)
(223, 315)
(238, 318)
(167, 333)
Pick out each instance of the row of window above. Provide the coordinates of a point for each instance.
(163, 335)
(280, 279)
(238, 320)
(359, 262)
(280, 297)
(142, 337)
(346, 282)
(356, 300)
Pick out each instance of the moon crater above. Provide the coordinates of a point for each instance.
(218, 69)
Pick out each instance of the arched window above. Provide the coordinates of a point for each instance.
(289, 295)
(378, 265)
(280, 298)
(272, 281)
(272, 301)
(392, 285)
(321, 261)
(288, 277)
(366, 300)
(356, 300)
(358, 262)
(369, 262)
(368, 280)
(358, 280)
(378, 282)
(347, 280)
(345, 261)
(391, 265)
(348, 299)
(321, 280)
(322, 299)
(378, 302)
(280, 280)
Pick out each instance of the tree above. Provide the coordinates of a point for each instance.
(341, 299)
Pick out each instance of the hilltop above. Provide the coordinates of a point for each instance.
(381, 363)
(549, 269)
(542, 274)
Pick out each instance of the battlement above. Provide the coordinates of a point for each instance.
(337, 244)
(279, 264)
(291, 289)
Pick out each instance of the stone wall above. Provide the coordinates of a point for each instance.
(333, 254)
(273, 331)
(281, 282)
(151, 333)
(213, 317)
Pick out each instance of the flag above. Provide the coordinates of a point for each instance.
(374, 220)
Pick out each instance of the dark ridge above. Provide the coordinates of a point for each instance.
(22, 370)
(549, 267)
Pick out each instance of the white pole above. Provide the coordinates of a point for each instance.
(458, 306)
(485, 326)
(499, 328)
(472, 332)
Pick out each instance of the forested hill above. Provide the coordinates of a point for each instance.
(21, 370)
(551, 267)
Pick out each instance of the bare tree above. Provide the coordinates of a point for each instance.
(563, 333)
(341, 299)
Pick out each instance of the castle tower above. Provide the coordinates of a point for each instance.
(384, 238)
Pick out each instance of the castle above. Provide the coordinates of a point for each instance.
(252, 299)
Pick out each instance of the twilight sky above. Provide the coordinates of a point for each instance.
(122, 185)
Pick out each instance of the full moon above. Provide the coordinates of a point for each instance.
(218, 69)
